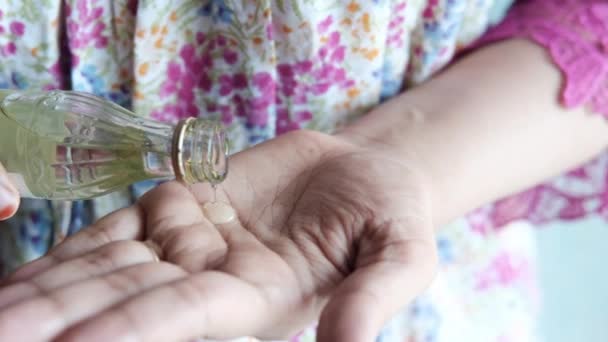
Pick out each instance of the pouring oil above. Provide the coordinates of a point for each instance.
(70, 145)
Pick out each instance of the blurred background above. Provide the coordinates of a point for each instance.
(574, 279)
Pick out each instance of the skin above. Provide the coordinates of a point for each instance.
(338, 228)
(9, 197)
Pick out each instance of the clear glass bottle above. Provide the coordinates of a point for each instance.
(70, 145)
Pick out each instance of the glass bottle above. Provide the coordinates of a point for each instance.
(70, 145)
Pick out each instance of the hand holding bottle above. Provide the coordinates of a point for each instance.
(325, 228)
(9, 198)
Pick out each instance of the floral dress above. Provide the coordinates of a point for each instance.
(267, 67)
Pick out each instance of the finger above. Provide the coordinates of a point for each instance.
(53, 312)
(106, 259)
(388, 275)
(210, 304)
(180, 230)
(9, 197)
(124, 224)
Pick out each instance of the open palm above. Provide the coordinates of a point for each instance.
(324, 228)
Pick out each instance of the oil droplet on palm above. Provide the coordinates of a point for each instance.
(218, 212)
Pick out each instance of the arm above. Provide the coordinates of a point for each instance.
(487, 127)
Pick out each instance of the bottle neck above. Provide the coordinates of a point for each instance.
(199, 152)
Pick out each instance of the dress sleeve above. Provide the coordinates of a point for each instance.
(575, 33)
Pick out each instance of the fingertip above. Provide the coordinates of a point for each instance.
(9, 202)
(7, 212)
(9, 199)
(28, 270)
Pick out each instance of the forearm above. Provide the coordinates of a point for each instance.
(487, 127)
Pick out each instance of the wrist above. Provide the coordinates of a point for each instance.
(403, 142)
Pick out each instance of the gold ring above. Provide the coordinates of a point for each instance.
(177, 147)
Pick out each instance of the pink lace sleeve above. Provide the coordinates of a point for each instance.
(575, 32)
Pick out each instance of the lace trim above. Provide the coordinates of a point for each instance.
(575, 32)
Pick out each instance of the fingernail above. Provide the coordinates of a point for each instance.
(8, 199)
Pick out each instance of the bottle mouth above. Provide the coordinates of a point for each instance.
(200, 151)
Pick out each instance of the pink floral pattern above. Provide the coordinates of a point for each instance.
(194, 73)
(502, 271)
(84, 25)
(395, 36)
(301, 81)
(268, 67)
(15, 30)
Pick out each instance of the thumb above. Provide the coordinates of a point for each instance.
(390, 272)
(9, 197)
